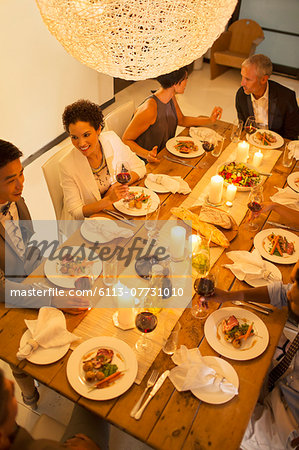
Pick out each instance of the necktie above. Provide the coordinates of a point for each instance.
(14, 232)
(284, 364)
(5, 208)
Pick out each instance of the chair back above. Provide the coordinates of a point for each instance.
(118, 119)
(244, 32)
(51, 174)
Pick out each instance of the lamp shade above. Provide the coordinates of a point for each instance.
(136, 39)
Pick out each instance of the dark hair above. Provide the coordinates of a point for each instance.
(297, 277)
(8, 153)
(170, 79)
(4, 395)
(83, 111)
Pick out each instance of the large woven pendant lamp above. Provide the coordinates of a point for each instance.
(136, 39)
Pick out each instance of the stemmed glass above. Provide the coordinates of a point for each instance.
(123, 173)
(209, 144)
(250, 125)
(254, 204)
(236, 130)
(151, 220)
(146, 322)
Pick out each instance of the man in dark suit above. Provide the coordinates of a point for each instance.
(272, 104)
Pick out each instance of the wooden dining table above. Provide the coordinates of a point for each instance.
(176, 420)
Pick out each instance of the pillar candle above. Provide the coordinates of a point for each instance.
(231, 192)
(177, 242)
(242, 152)
(126, 313)
(257, 159)
(216, 189)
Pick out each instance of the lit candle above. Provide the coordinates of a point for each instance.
(126, 314)
(194, 242)
(242, 152)
(216, 189)
(257, 159)
(231, 192)
(177, 242)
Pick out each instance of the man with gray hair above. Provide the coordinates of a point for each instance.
(271, 103)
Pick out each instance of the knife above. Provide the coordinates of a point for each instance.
(155, 389)
(282, 226)
(260, 306)
(119, 217)
(179, 162)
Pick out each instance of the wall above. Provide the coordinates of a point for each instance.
(38, 78)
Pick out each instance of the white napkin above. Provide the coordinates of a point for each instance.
(49, 330)
(286, 197)
(249, 265)
(192, 373)
(204, 133)
(174, 184)
(108, 229)
(295, 147)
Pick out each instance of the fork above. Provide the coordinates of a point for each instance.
(150, 383)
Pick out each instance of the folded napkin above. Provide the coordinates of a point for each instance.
(294, 146)
(286, 197)
(108, 229)
(174, 184)
(249, 265)
(192, 373)
(49, 330)
(204, 133)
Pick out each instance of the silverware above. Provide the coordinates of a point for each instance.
(150, 383)
(281, 225)
(179, 162)
(238, 303)
(119, 217)
(155, 389)
(260, 306)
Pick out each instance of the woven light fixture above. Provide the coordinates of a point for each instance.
(136, 39)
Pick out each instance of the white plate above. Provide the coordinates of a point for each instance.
(240, 188)
(146, 207)
(291, 181)
(172, 142)
(44, 355)
(54, 275)
(224, 369)
(261, 238)
(156, 187)
(253, 347)
(261, 282)
(124, 357)
(251, 138)
(93, 235)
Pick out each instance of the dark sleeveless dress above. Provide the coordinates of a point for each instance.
(163, 128)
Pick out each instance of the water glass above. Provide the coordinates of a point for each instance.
(236, 130)
(110, 272)
(288, 155)
(218, 148)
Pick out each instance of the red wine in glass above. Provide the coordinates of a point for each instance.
(83, 283)
(205, 286)
(208, 146)
(146, 322)
(250, 129)
(123, 177)
(254, 206)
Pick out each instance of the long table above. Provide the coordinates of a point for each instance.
(172, 419)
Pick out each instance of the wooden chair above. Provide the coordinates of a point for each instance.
(234, 46)
(118, 119)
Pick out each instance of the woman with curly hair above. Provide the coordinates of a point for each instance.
(156, 119)
(86, 172)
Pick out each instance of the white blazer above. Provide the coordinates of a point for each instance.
(77, 180)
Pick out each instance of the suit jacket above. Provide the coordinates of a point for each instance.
(77, 180)
(283, 111)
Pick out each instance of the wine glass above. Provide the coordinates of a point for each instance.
(254, 204)
(250, 125)
(123, 173)
(209, 143)
(151, 220)
(201, 264)
(204, 287)
(146, 322)
(236, 130)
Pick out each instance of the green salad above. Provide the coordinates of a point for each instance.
(239, 174)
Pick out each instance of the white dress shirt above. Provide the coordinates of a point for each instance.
(10, 222)
(260, 107)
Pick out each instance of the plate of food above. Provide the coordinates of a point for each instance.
(277, 245)
(209, 221)
(265, 139)
(236, 333)
(224, 369)
(70, 263)
(139, 202)
(293, 181)
(102, 368)
(185, 146)
(43, 355)
(240, 174)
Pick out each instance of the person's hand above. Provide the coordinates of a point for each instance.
(152, 155)
(216, 114)
(116, 192)
(69, 304)
(81, 442)
(265, 208)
